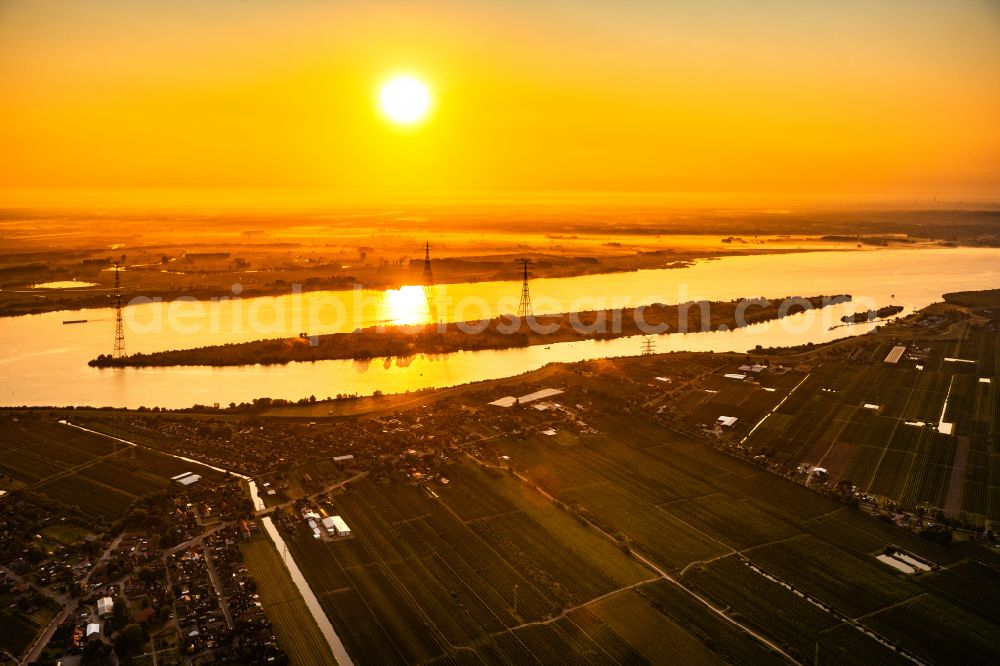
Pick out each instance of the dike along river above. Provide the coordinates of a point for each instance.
(44, 361)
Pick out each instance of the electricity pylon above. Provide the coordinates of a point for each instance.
(648, 347)
(524, 308)
(429, 294)
(119, 350)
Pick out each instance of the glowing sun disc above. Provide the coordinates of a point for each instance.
(404, 100)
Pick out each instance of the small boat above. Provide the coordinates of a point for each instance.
(74, 321)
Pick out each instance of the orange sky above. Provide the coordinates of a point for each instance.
(770, 98)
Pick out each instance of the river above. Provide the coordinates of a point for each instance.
(45, 361)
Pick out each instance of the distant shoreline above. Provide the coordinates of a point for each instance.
(71, 300)
(210, 277)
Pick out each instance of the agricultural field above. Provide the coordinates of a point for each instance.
(80, 469)
(921, 434)
(491, 570)
(547, 560)
(18, 630)
(284, 606)
(788, 563)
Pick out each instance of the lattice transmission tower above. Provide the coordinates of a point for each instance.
(648, 347)
(524, 307)
(429, 292)
(119, 350)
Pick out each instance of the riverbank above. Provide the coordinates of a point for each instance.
(504, 332)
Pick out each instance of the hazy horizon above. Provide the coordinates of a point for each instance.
(192, 199)
(779, 103)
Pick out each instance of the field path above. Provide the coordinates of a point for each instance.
(665, 576)
(567, 611)
(775, 408)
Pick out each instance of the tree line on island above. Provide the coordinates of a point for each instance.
(503, 332)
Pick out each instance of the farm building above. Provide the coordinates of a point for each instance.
(912, 561)
(728, 421)
(897, 353)
(186, 479)
(510, 401)
(104, 606)
(898, 565)
(734, 375)
(349, 456)
(328, 524)
(336, 526)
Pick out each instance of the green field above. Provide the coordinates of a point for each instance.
(18, 630)
(491, 570)
(98, 476)
(659, 638)
(428, 578)
(294, 626)
(791, 564)
(895, 452)
(813, 413)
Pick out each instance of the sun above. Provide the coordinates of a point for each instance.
(406, 306)
(404, 100)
